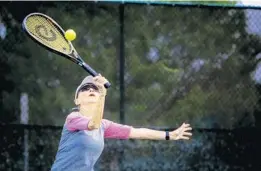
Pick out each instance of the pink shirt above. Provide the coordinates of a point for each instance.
(80, 148)
(75, 121)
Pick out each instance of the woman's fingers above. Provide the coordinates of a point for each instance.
(187, 133)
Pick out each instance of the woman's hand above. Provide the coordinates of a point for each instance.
(182, 133)
(99, 82)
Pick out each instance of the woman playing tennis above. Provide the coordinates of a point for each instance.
(82, 139)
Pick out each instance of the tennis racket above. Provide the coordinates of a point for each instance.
(47, 33)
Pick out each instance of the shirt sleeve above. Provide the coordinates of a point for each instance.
(76, 122)
(115, 130)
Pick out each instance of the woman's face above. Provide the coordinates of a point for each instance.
(88, 94)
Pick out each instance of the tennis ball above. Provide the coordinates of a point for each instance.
(70, 35)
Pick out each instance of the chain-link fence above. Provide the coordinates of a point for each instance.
(218, 150)
(167, 65)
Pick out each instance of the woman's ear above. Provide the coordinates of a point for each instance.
(76, 101)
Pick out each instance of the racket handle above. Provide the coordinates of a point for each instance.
(107, 85)
(91, 71)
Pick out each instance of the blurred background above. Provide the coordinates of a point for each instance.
(167, 65)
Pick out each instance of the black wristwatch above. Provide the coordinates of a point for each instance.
(167, 135)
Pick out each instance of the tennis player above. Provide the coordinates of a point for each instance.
(84, 131)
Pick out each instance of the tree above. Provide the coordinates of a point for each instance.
(181, 64)
(185, 64)
(50, 80)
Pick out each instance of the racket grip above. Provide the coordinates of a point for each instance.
(91, 71)
(107, 85)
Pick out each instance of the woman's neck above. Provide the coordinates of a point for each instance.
(88, 109)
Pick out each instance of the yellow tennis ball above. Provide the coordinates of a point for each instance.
(70, 35)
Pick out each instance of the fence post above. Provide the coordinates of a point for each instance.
(122, 64)
(24, 117)
(121, 77)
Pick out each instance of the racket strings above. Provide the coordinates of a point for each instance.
(53, 32)
(51, 36)
(47, 33)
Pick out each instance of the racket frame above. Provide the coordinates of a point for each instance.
(72, 56)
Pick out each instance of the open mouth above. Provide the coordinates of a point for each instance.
(92, 94)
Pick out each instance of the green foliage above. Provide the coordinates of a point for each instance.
(180, 37)
(182, 64)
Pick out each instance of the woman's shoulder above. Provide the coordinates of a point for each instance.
(106, 123)
(74, 114)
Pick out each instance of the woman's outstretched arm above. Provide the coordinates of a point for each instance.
(182, 133)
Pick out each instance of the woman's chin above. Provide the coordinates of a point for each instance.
(91, 101)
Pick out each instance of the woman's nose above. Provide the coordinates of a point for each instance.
(91, 89)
